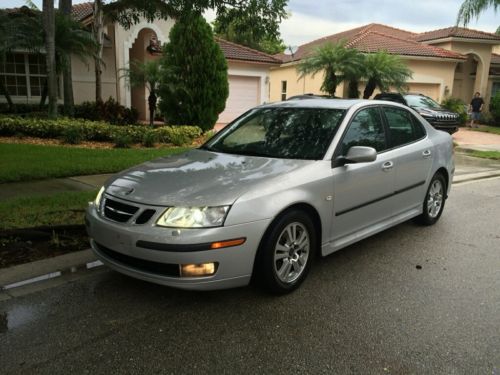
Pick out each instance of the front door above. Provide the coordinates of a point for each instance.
(363, 191)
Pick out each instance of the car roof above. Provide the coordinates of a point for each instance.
(318, 103)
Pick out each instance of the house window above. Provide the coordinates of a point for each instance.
(23, 74)
(283, 90)
(495, 88)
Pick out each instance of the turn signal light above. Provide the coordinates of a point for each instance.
(197, 270)
(227, 243)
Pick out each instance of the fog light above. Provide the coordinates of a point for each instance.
(196, 270)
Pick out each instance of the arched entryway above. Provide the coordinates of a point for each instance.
(470, 76)
(145, 47)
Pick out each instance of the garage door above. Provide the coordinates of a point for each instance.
(429, 89)
(243, 95)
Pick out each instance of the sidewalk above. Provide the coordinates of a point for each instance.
(468, 139)
(46, 187)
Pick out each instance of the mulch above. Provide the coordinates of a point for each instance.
(18, 246)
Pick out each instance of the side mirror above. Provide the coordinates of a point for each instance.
(357, 154)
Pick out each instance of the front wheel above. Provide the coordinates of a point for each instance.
(434, 201)
(286, 252)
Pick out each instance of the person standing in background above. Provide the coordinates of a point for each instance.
(475, 108)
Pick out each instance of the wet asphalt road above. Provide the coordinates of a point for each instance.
(366, 309)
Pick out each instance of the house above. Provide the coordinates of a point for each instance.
(248, 69)
(447, 62)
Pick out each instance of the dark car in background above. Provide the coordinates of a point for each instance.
(439, 117)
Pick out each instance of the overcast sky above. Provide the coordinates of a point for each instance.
(312, 19)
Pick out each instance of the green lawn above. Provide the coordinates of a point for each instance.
(495, 155)
(489, 129)
(25, 162)
(57, 209)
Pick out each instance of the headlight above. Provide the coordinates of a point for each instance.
(98, 198)
(193, 217)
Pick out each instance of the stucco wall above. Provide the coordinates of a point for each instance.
(295, 86)
(83, 74)
(437, 75)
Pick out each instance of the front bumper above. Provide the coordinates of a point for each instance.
(115, 244)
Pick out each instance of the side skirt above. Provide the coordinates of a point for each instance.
(342, 242)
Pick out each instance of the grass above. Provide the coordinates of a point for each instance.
(57, 209)
(26, 162)
(489, 129)
(495, 155)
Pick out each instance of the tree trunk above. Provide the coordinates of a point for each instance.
(43, 97)
(353, 91)
(65, 7)
(98, 30)
(5, 92)
(50, 50)
(152, 99)
(370, 88)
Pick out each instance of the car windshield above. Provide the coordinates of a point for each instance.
(421, 101)
(280, 132)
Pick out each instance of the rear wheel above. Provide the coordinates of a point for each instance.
(434, 200)
(286, 253)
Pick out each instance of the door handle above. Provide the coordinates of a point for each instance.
(427, 154)
(388, 165)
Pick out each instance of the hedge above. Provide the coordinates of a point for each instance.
(93, 130)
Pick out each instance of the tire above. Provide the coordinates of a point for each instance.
(434, 200)
(286, 253)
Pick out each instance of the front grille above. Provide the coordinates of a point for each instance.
(162, 269)
(118, 211)
(145, 216)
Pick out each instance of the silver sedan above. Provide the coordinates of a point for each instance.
(280, 185)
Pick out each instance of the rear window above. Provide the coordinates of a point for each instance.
(403, 128)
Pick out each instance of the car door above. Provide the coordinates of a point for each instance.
(413, 157)
(363, 191)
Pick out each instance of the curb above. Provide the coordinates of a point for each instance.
(475, 176)
(40, 268)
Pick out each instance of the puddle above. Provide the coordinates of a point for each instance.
(17, 317)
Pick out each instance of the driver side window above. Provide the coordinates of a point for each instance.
(365, 129)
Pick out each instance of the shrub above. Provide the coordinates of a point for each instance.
(458, 106)
(72, 135)
(149, 138)
(495, 108)
(122, 140)
(110, 111)
(178, 135)
(194, 83)
(93, 130)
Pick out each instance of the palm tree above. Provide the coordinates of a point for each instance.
(98, 31)
(71, 39)
(65, 7)
(146, 74)
(384, 70)
(473, 8)
(49, 26)
(338, 63)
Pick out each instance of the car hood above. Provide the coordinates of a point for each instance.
(437, 111)
(198, 177)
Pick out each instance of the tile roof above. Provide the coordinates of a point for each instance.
(457, 32)
(233, 51)
(374, 37)
(82, 10)
(374, 41)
